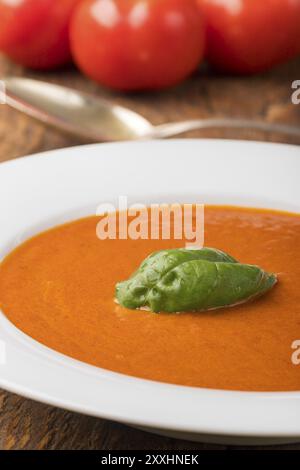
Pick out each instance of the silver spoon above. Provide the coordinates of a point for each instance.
(97, 119)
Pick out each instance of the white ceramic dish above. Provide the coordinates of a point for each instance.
(42, 190)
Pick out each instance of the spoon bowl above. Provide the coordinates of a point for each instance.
(77, 112)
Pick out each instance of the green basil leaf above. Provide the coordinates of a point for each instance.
(192, 280)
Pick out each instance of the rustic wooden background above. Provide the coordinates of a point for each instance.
(25, 424)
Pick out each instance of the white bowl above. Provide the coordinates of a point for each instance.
(42, 190)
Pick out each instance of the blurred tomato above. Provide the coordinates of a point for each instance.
(137, 44)
(35, 33)
(247, 36)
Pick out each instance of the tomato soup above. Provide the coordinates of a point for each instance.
(58, 288)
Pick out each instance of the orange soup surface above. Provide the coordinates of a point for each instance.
(58, 288)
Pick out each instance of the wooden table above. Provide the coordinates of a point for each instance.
(25, 424)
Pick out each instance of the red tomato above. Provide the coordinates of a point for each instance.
(137, 44)
(35, 33)
(247, 36)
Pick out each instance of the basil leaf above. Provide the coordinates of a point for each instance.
(186, 280)
(133, 293)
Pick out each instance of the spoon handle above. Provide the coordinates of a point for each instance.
(171, 129)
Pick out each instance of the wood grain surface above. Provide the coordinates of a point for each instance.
(25, 424)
